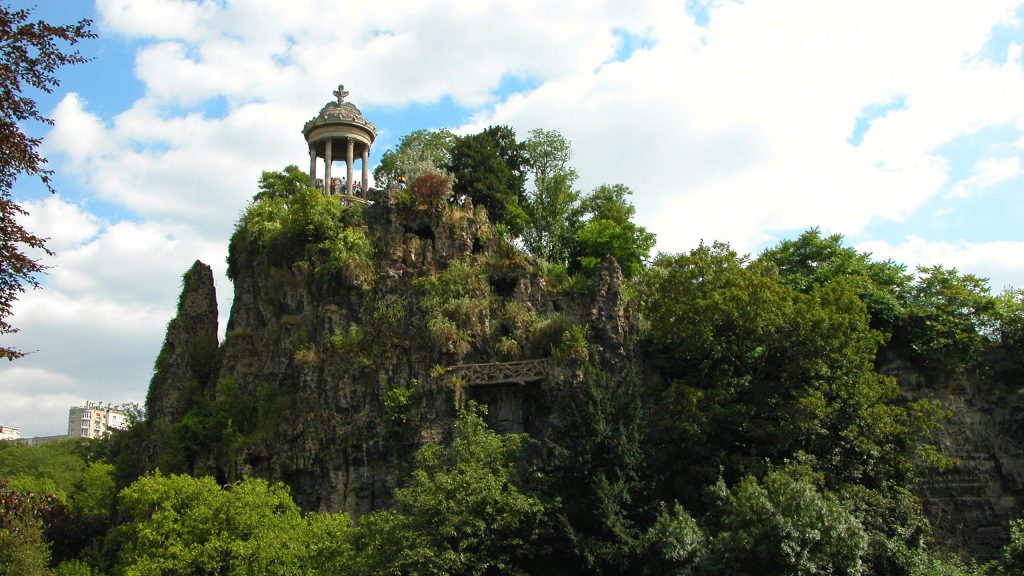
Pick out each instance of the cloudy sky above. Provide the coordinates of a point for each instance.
(897, 124)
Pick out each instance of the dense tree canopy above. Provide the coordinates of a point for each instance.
(185, 525)
(489, 169)
(464, 510)
(812, 260)
(23, 550)
(782, 525)
(756, 372)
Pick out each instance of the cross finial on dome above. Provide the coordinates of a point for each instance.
(341, 93)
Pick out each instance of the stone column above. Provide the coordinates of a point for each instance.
(327, 165)
(312, 165)
(366, 169)
(349, 159)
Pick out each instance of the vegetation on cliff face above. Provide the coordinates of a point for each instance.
(703, 413)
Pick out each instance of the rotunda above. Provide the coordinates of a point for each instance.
(339, 129)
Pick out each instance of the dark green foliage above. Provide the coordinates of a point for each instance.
(812, 260)
(463, 510)
(220, 421)
(608, 229)
(22, 548)
(949, 322)
(943, 322)
(1012, 561)
(595, 468)
(674, 545)
(489, 170)
(1009, 307)
(75, 476)
(755, 372)
(896, 529)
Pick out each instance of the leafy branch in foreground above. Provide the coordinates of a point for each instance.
(30, 55)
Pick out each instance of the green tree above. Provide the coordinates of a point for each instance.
(813, 260)
(329, 540)
(417, 153)
(282, 184)
(1012, 561)
(31, 52)
(464, 510)
(57, 468)
(782, 525)
(754, 373)
(950, 322)
(185, 525)
(595, 465)
(489, 169)
(1009, 311)
(608, 229)
(80, 482)
(553, 204)
(305, 225)
(674, 545)
(23, 550)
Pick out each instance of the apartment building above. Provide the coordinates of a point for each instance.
(9, 433)
(95, 419)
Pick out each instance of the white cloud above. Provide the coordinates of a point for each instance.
(81, 348)
(741, 130)
(156, 18)
(1002, 262)
(62, 223)
(95, 327)
(988, 172)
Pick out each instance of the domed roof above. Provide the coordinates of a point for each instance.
(340, 112)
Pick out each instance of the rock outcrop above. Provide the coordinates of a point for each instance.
(333, 373)
(971, 504)
(187, 359)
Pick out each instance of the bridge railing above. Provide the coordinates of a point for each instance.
(500, 372)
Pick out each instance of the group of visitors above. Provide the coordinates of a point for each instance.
(340, 186)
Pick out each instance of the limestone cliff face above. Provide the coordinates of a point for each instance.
(188, 357)
(329, 381)
(971, 504)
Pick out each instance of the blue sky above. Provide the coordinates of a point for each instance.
(898, 125)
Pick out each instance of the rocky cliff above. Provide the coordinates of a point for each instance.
(971, 504)
(356, 330)
(188, 356)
